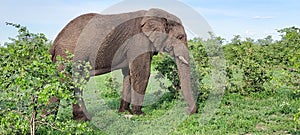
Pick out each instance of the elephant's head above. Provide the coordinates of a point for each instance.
(167, 34)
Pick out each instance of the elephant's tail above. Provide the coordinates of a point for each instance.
(52, 52)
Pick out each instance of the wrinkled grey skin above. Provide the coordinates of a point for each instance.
(127, 42)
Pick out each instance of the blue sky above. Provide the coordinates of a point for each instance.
(248, 18)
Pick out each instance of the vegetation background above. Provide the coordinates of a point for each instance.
(261, 88)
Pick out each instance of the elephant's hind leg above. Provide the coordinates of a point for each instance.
(126, 95)
(80, 113)
(79, 109)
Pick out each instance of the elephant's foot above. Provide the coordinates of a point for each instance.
(80, 113)
(137, 110)
(191, 110)
(124, 106)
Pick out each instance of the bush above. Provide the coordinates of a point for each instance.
(112, 87)
(204, 54)
(167, 67)
(246, 67)
(288, 49)
(28, 80)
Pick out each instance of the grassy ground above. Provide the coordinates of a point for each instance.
(258, 113)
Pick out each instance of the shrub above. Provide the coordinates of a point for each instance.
(246, 67)
(112, 87)
(28, 80)
(204, 54)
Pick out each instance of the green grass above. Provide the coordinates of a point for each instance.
(257, 113)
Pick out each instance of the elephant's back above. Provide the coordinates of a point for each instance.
(86, 35)
(66, 40)
(102, 35)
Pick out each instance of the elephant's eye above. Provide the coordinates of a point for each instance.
(180, 37)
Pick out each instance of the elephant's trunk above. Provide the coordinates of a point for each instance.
(183, 65)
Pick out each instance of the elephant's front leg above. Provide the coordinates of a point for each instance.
(126, 94)
(139, 76)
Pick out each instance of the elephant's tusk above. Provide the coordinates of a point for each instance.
(128, 116)
(183, 59)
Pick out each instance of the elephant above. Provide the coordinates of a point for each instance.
(126, 42)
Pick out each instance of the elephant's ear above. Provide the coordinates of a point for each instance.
(155, 30)
(152, 25)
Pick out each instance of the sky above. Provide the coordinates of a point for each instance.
(225, 18)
